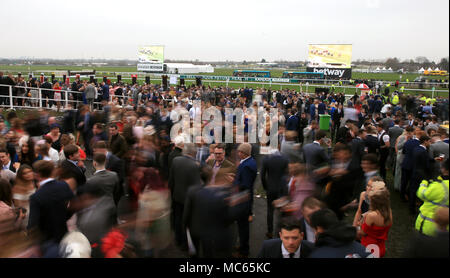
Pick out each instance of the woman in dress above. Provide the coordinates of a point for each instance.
(23, 188)
(27, 154)
(55, 134)
(364, 201)
(57, 95)
(377, 222)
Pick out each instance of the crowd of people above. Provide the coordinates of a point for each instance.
(110, 180)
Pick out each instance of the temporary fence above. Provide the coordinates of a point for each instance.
(67, 95)
(38, 100)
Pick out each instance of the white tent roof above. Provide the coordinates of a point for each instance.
(436, 69)
(430, 69)
(390, 68)
(384, 68)
(378, 68)
(422, 69)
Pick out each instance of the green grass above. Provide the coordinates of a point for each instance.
(217, 71)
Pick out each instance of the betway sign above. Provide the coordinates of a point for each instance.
(150, 67)
(333, 72)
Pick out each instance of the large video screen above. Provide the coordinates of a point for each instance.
(330, 55)
(151, 54)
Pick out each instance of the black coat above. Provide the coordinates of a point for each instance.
(357, 145)
(184, 172)
(372, 144)
(75, 172)
(274, 173)
(209, 218)
(48, 209)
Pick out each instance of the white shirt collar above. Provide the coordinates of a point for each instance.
(73, 162)
(45, 181)
(286, 253)
(371, 173)
(98, 171)
(7, 165)
(245, 159)
(310, 234)
(316, 142)
(423, 146)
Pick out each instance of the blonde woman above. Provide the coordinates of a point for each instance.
(377, 221)
(364, 202)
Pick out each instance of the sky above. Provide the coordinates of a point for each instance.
(235, 30)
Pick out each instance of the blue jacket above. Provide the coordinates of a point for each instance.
(322, 108)
(312, 110)
(408, 151)
(245, 178)
(292, 123)
(105, 90)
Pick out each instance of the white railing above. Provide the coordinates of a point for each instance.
(66, 100)
(40, 99)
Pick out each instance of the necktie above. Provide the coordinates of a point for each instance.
(292, 188)
(291, 255)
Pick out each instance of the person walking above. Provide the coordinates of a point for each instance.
(244, 181)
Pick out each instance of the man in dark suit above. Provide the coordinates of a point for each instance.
(48, 205)
(314, 155)
(343, 134)
(408, 163)
(342, 180)
(336, 118)
(114, 164)
(422, 170)
(289, 245)
(302, 124)
(74, 166)
(107, 181)
(383, 138)
(245, 179)
(358, 149)
(209, 213)
(307, 208)
(273, 177)
(371, 140)
(47, 93)
(335, 239)
(177, 150)
(5, 161)
(184, 173)
(117, 144)
(292, 123)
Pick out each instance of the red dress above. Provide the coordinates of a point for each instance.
(375, 235)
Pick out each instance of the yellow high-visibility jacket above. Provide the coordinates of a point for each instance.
(435, 195)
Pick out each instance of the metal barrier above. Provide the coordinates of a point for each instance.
(40, 99)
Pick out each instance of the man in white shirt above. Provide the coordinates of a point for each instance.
(383, 138)
(5, 161)
(289, 245)
(52, 153)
